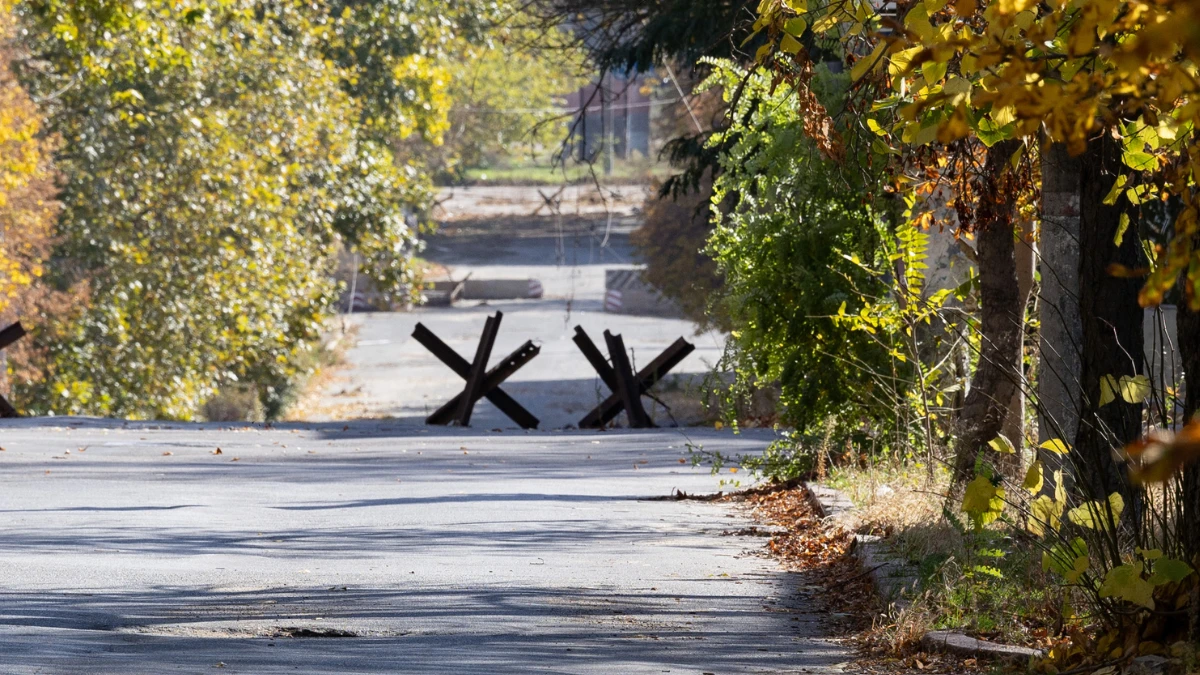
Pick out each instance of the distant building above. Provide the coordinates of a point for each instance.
(613, 109)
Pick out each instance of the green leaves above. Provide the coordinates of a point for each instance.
(798, 250)
(1125, 582)
(1168, 571)
(231, 173)
(1128, 582)
(1139, 161)
(1098, 515)
(991, 132)
(983, 502)
(1069, 561)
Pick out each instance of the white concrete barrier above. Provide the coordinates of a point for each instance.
(492, 289)
(625, 292)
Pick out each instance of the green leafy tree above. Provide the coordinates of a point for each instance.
(508, 96)
(795, 243)
(216, 155)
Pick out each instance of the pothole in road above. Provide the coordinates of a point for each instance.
(301, 632)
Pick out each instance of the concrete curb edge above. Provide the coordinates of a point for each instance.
(893, 577)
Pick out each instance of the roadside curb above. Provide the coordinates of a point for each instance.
(892, 578)
(963, 645)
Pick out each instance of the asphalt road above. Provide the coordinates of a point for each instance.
(500, 233)
(497, 236)
(371, 547)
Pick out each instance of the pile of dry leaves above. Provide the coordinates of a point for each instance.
(804, 542)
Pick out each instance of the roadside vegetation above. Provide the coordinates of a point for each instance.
(959, 241)
(181, 178)
(955, 245)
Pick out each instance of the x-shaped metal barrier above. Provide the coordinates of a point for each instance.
(619, 377)
(481, 383)
(7, 337)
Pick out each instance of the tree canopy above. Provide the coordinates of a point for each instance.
(216, 154)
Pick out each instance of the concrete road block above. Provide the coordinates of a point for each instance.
(625, 292)
(492, 289)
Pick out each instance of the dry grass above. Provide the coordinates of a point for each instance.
(308, 404)
(891, 497)
(902, 504)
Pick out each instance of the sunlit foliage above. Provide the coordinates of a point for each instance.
(508, 96)
(794, 242)
(216, 155)
(27, 208)
(1065, 71)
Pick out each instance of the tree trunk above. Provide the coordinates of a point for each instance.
(1026, 257)
(1187, 325)
(1001, 326)
(1058, 306)
(1112, 329)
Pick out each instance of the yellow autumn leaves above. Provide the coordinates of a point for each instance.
(984, 498)
(26, 181)
(1058, 70)
(1134, 581)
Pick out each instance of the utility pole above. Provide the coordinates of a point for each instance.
(628, 123)
(606, 123)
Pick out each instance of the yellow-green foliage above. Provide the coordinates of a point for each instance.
(1131, 577)
(507, 93)
(26, 183)
(216, 154)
